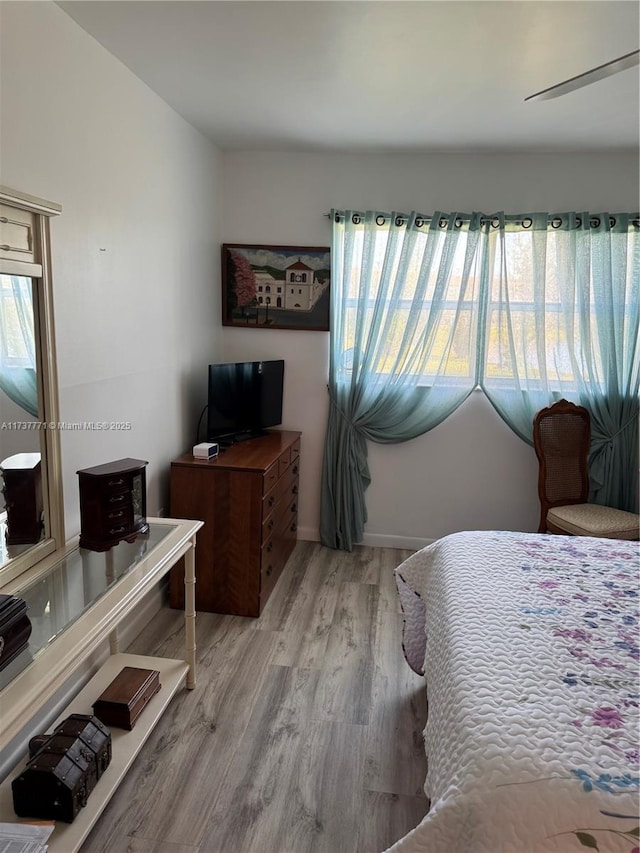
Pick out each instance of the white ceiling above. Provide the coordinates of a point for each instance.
(381, 76)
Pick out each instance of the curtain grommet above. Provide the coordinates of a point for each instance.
(527, 222)
(458, 223)
(612, 222)
(356, 219)
(442, 222)
(419, 223)
(380, 220)
(579, 221)
(556, 222)
(399, 221)
(595, 222)
(495, 222)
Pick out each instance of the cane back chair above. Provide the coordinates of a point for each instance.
(561, 438)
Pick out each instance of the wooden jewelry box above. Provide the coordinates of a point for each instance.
(113, 503)
(126, 697)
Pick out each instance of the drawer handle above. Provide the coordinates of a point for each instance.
(7, 248)
(295, 469)
(271, 524)
(117, 530)
(294, 490)
(114, 515)
(294, 507)
(272, 500)
(270, 546)
(119, 482)
(294, 527)
(117, 499)
(269, 570)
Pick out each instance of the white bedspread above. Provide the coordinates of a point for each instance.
(532, 680)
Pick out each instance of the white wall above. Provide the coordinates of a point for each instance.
(135, 251)
(471, 472)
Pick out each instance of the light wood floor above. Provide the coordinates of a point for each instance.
(304, 733)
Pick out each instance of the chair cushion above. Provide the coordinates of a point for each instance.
(594, 520)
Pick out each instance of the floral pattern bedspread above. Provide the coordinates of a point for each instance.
(531, 667)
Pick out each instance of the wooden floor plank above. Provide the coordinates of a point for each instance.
(248, 813)
(302, 642)
(344, 689)
(127, 844)
(396, 761)
(285, 596)
(390, 559)
(326, 799)
(387, 817)
(362, 565)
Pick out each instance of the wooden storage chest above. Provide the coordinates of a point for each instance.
(248, 500)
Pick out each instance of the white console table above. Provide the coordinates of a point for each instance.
(76, 600)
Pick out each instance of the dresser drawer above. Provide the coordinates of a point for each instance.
(295, 450)
(16, 234)
(276, 550)
(268, 526)
(288, 525)
(279, 520)
(270, 478)
(114, 517)
(282, 494)
(287, 486)
(115, 501)
(284, 460)
(295, 466)
(116, 484)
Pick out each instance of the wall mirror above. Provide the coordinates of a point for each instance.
(31, 508)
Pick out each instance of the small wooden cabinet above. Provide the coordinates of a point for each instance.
(113, 503)
(22, 490)
(248, 500)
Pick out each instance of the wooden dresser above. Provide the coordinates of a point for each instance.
(248, 500)
(22, 490)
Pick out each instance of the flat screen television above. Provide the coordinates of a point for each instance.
(244, 399)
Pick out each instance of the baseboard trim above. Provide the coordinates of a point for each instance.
(309, 534)
(384, 540)
(377, 540)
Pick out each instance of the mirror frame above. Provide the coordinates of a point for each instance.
(38, 268)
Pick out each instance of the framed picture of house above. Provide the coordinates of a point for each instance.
(276, 287)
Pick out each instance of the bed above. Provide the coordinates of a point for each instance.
(529, 645)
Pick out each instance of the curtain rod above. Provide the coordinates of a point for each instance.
(494, 221)
(420, 220)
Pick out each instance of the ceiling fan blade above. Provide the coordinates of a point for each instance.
(587, 77)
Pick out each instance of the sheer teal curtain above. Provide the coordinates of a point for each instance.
(562, 320)
(403, 344)
(18, 377)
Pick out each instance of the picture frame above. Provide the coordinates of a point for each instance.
(276, 287)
